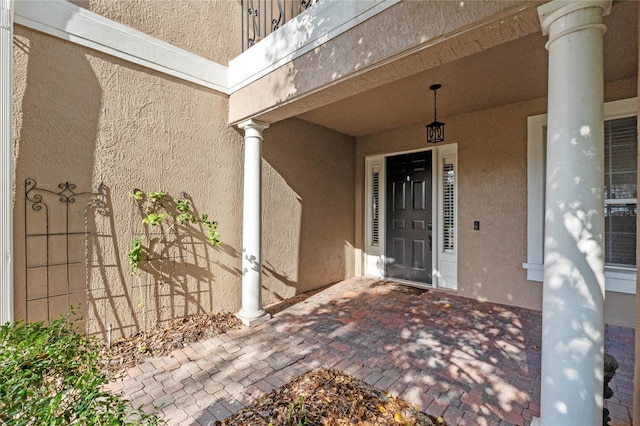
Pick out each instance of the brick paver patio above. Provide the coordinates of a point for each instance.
(471, 363)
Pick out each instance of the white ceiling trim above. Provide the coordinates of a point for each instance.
(77, 25)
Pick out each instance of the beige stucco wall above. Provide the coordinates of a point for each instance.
(87, 118)
(492, 189)
(208, 28)
(308, 214)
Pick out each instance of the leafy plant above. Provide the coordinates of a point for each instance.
(297, 414)
(182, 205)
(136, 252)
(154, 219)
(157, 196)
(155, 211)
(52, 375)
(137, 195)
(185, 212)
(212, 230)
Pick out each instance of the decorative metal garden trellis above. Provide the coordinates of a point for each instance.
(72, 257)
(56, 246)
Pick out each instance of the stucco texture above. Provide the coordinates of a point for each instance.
(208, 28)
(308, 214)
(87, 118)
(492, 189)
(399, 42)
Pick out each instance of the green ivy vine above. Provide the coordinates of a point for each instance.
(155, 207)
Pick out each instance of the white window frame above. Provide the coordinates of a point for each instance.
(445, 274)
(374, 253)
(617, 278)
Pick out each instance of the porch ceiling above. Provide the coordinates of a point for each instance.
(509, 73)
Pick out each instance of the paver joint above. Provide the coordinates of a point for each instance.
(470, 362)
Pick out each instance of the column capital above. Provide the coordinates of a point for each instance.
(253, 124)
(550, 12)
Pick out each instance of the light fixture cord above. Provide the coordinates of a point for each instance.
(435, 105)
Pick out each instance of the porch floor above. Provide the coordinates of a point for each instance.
(471, 363)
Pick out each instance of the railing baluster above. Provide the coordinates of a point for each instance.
(259, 19)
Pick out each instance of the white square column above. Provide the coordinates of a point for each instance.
(573, 292)
(252, 312)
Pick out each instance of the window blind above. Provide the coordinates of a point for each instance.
(375, 210)
(621, 198)
(448, 207)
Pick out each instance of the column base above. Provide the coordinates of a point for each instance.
(254, 318)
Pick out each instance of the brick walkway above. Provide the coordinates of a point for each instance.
(472, 363)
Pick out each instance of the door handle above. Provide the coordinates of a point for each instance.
(430, 236)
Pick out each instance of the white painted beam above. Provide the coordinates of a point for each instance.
(6, 163)
(327, 19)
(77, 25)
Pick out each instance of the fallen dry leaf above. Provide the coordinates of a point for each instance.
(355, 403)
(329, 397)
(131, 351)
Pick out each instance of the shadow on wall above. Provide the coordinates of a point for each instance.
(58, 132)
(308, 210)
(299, 78)
(56, 136)
(173, 277)
(72, 258)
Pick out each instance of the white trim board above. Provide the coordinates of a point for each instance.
(6, 164)
(312, 28)
(77, 25)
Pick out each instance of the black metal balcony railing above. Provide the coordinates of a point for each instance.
(262, 17)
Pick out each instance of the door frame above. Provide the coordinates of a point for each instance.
(444, 261)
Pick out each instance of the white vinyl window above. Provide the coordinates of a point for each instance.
(620, 190)
(621, 202)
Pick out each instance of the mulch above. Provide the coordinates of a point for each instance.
(330, 397)
(133, 350)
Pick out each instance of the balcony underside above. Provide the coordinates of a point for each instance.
(375, 76)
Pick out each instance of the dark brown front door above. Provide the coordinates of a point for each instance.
(409, 227)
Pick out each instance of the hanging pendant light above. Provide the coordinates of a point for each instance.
(435, 129)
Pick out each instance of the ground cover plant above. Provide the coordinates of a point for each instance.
(52, 375)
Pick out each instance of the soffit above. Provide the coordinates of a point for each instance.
(409, 38)
(505, 74)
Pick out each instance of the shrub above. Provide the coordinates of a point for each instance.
(50, 374)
